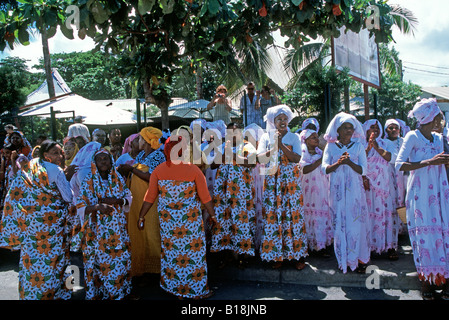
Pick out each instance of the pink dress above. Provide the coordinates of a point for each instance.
(427, 205)
(318, 219)
(383, 217)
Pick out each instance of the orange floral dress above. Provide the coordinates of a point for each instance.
(183, 258)
(234, 195)
(35, 221)
(284, 234)
(104, 239)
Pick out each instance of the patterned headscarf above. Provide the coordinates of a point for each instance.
(311, 121)
(425, 111)
(306, 157)
(151, 136)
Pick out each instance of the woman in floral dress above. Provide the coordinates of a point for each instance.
(181, 187)
(427, 199)
(315, 187)
(234, 194)
(394, 134)
(384, 220)
(284, 235)
(101, 205)
(35, 221)
(344, 159)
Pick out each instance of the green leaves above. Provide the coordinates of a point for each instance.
(145, 6)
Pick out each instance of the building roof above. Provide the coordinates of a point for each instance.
(438, 92)
(41, 93)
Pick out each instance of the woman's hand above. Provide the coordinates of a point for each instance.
(111, 201)
(105, 208)
(141, 224)
(70, 171)
(439, 159)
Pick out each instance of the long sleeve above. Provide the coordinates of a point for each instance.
(201, 187)
(57, 175)
(327, 158)
(363, 161)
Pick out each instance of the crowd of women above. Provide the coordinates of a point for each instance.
(278, 196)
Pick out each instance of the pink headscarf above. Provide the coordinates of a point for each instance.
(425, 111)
(127, 145)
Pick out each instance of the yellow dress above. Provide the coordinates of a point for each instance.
(145, 244)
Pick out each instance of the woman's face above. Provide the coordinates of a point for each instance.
(313, 141)
(135, 145)
(69, 149)
(142, 143)
(345, 131)
(15, 139)
(438, 123)
(281, 122)
(55, 155)
(374, 129)
(103, 162)
(392, 131)
(80, 142)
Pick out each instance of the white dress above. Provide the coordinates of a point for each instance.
(427, 205)
(384, 224)
(347, 202)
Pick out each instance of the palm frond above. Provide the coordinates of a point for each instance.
(404, 19)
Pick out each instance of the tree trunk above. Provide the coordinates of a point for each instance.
(199, 84)
(47, 65)
(162, 105)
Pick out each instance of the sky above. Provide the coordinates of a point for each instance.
(425, 55)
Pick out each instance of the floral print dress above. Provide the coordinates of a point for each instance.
(35, 222)
(384, 220)
(104, 239)
(427, 207)
(183, 257)
(234, 195)
(318, 218)
(347, 201)
(284, 234)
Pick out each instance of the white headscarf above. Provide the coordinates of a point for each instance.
(273, 112)
(306, 157)
(425, 111)
(331, 134)
(255, 131)
(404, 127)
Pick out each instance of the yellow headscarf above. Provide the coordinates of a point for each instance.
(69, 161)
(151, 136)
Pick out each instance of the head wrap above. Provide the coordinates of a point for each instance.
(306, 157)
(305, 134)
(331, 134)
(128, 141)
(84, 157)
(169, 144)
(152, 135)
(404, 127)
(425, 111)
(200, 122)
(367, 125)
(311, 121)
(69, 161)
(275, 111)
